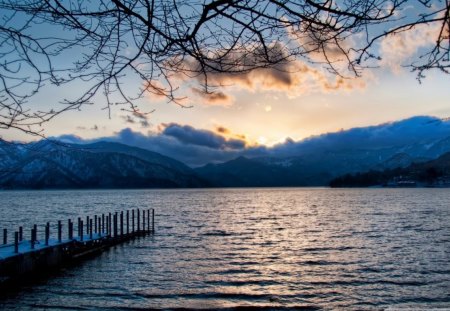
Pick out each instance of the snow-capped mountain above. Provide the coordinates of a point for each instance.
(50, 164)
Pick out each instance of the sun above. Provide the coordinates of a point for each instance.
(262, 140)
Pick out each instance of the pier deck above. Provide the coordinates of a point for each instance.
(25, 257)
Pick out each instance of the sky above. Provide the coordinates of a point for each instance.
(268, 107)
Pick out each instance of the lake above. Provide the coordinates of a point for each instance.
(223, 248)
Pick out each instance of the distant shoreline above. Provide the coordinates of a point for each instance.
(227, 188)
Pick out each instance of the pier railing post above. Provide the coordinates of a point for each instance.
(143, 220)
(5, 236)
(20, 234)
(128, 222)
(138, 220)
(107, 227)
(99, 219)
(148, 220)
(109, 224)
(95, 224)
(87, 225)
(132, 221)
(121, 223)
(115, 225)
(59, 231)
(79, 227)
(153, 220)
(103, 224)
(47, 233)
(16, 242)
(90, 228)
(81, 230)
(70, 229)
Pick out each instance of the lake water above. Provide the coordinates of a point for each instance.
(222, 248)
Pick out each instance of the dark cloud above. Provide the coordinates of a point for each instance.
(189, 135)
(189, 145)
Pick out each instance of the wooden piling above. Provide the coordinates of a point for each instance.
(79, 226)
(87, 225)
(5, 236)
(95, 224)
(143, 220)
(81, 230)
(59, 231)
(138, 220)
(70, 229)
(103, 224)
(153, 220)
(148, 220)
(132, 220)
(115, 224)
(121, 223)
(47, 233)
(109, 223)
(90, 228)
(20, 234)
(128, 222)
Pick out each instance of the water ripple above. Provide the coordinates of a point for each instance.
(245, 249)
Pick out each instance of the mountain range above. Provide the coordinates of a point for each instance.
(317, 160)
(314, 161)
(49, 164)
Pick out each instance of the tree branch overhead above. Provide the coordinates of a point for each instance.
(96, 47)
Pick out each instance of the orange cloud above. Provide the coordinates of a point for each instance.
(290, 76)
(211, 82)
(213, 97)
(229, 134)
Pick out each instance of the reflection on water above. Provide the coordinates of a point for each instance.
(324, 248)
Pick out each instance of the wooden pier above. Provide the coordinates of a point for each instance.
(21, 258)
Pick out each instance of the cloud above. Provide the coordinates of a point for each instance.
(213, 97)
(222, 130)
(189, 135)
(197, 147)
(291, 76)
(191, 146)
(420, 129)
(398, 49)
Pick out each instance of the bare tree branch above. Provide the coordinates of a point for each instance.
(96, 47)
